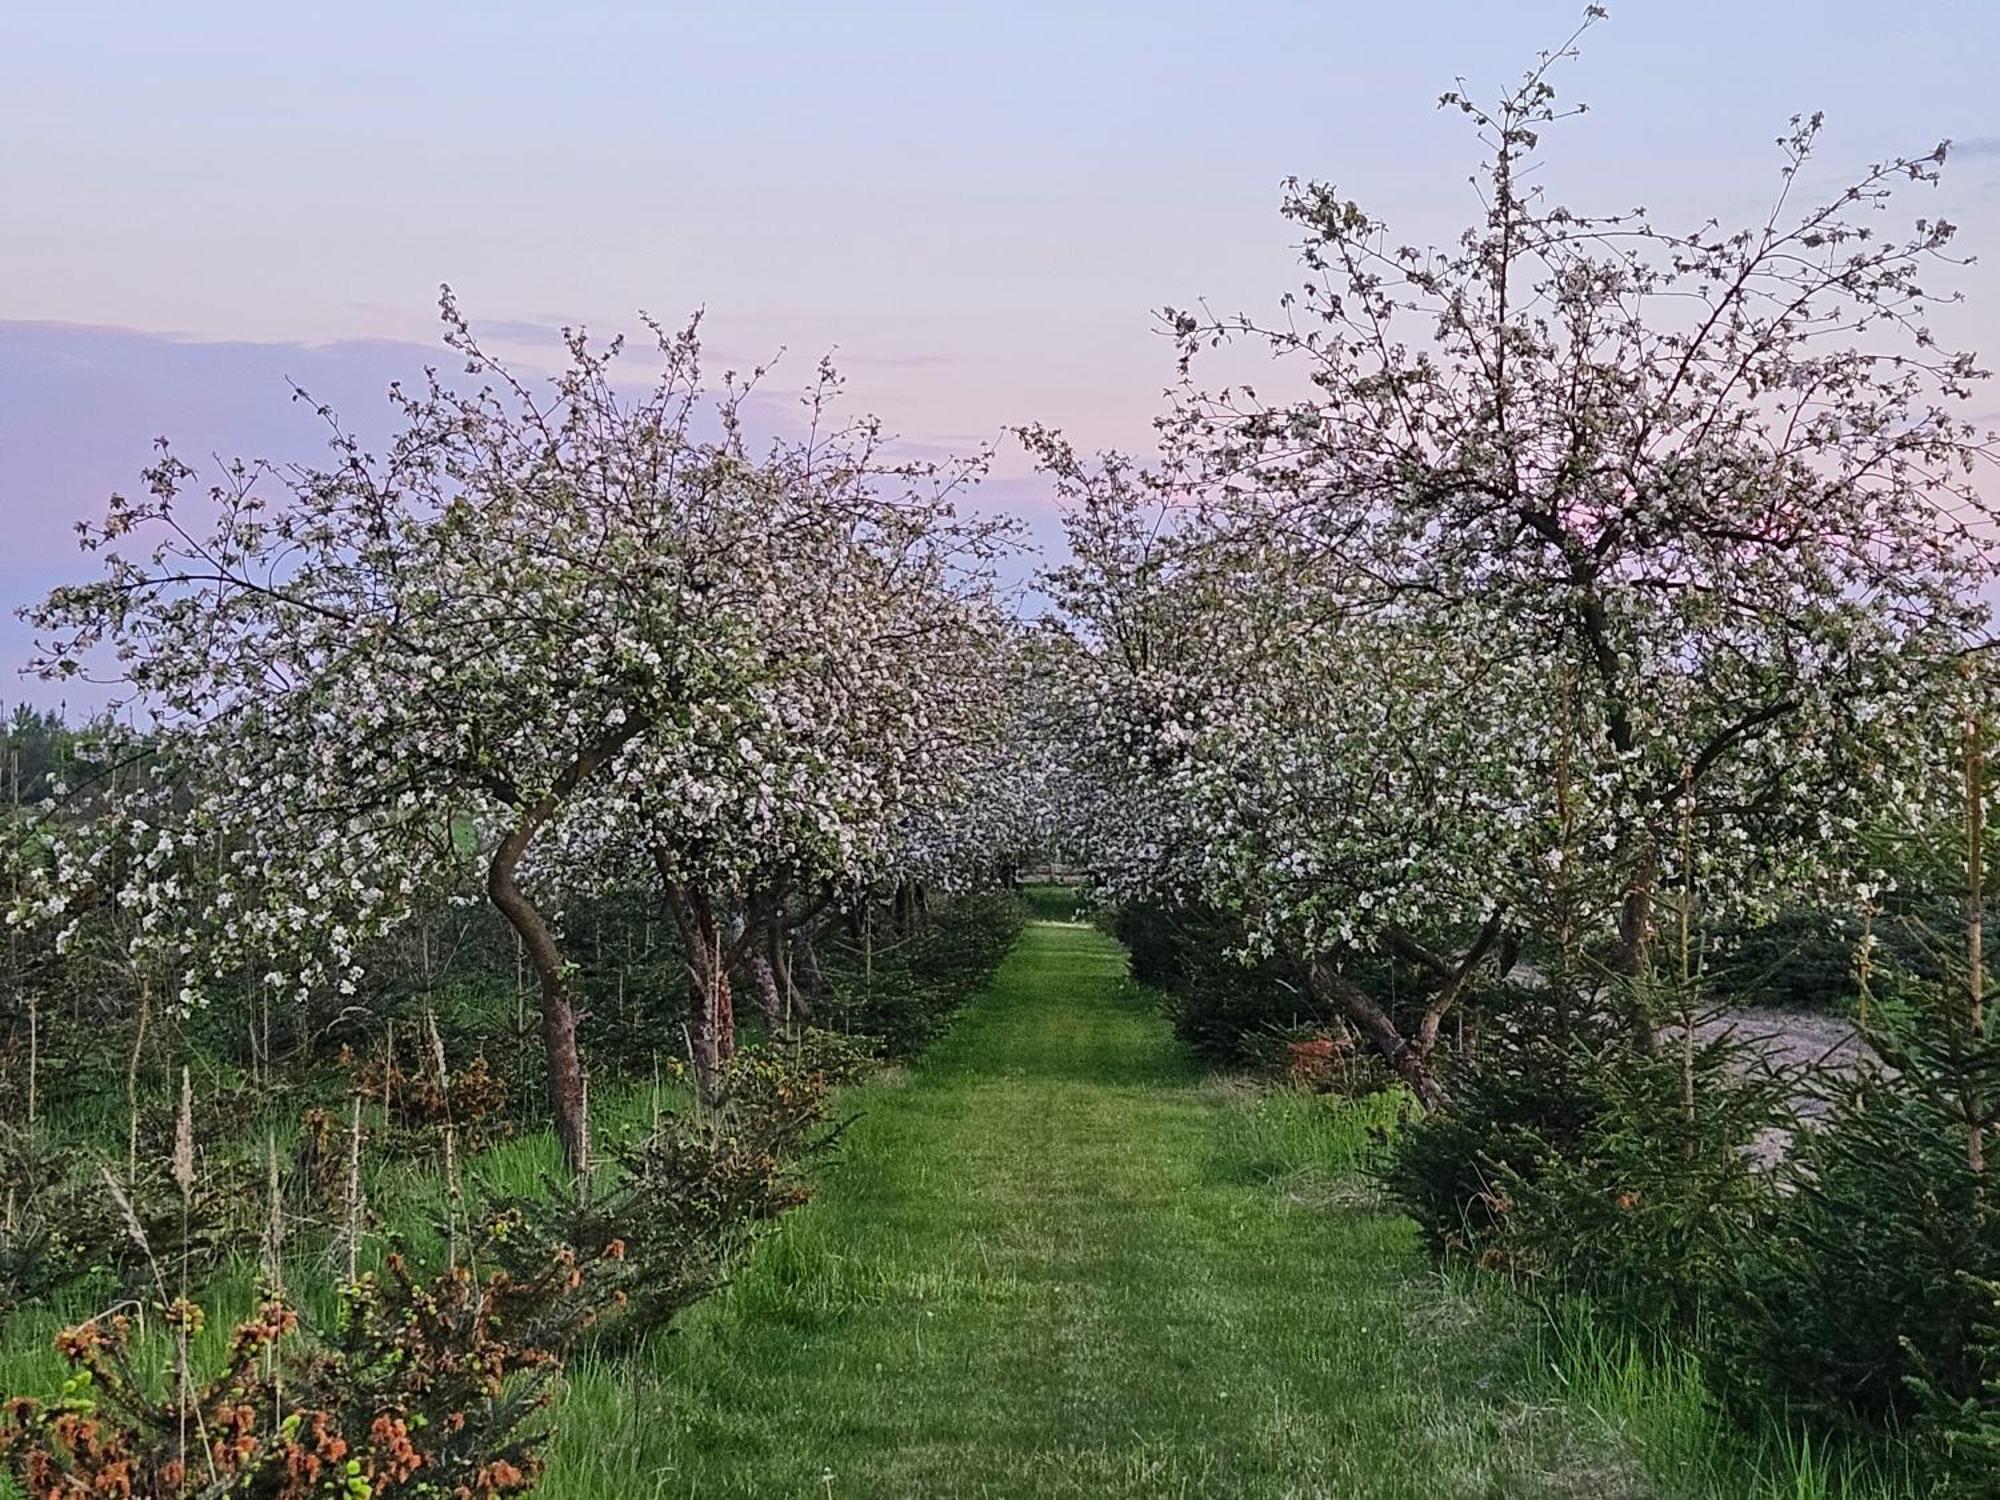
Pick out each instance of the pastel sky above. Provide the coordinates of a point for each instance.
(978, 206)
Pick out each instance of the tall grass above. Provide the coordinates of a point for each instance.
(1319, 1150)
(1288, 1137)
(1660, 1404)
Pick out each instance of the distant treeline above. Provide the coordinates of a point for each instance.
(36, 747)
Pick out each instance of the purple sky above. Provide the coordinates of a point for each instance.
(978, 207)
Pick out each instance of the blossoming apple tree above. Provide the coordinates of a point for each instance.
(1585, 558)
(362, 677)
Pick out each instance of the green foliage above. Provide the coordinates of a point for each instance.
(38, 746)
(683, 1204)
(1583, 1165)
(1054, 902)
(1805, 958)
(1801, 960)
(1869, 1302)
(1862, 1276)
(1228, 1013)
(51, 1232)
(420, 1101)
(1962, 1422)
(1654, 1203)
(62, 1222)
(1528, 1102)
(904, 986)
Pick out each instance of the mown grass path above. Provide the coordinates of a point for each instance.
(1054, 1261)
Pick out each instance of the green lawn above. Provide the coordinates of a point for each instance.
(1054, 1261)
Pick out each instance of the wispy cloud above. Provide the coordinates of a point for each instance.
(516, 330)
(892, 361)
(1976, 147)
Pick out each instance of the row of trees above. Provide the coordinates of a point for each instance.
(1591, 578)
(547, 643)
(1587, 573)
(1592, 592)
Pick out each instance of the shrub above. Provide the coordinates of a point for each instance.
(905, 989)
(631, 1011)
(683, 1203)
(1800, 960)
(424, 1099)
(1228, 1013)
(426, 1387)
(1155, 939)
(1963, 1424)
(61, 1222)
(1870, 1301)
(1805, 958)
(52, 1232)
(1581, 1165)
(1654, 1203)
(1527, 1102)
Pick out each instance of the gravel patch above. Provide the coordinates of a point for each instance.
(1794, 1038)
